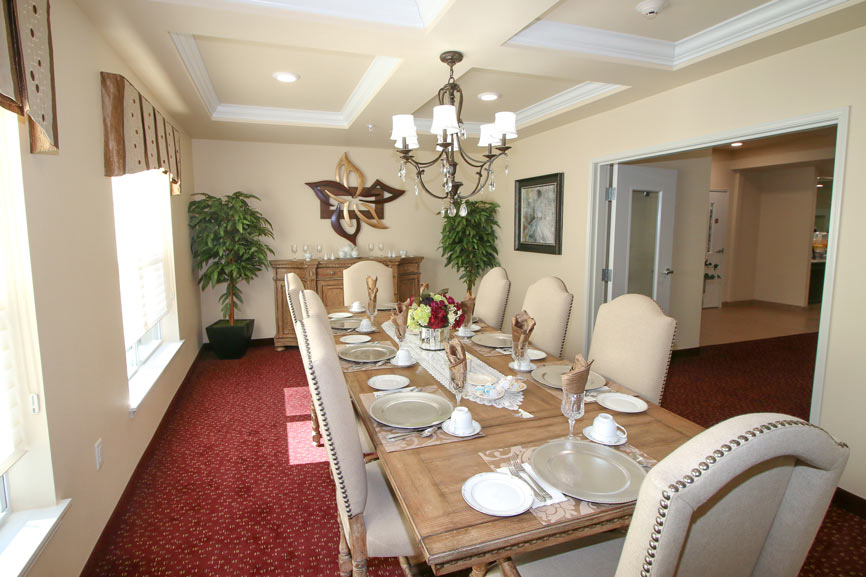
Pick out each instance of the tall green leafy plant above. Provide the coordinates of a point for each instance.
(468, 242)
(228, 244)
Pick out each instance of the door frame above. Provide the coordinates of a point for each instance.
(597, 217)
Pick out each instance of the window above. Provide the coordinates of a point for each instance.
(142, 218)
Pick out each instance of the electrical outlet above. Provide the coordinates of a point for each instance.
(97, 447)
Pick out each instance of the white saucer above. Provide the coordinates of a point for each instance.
(513, 366)
(473, 327)
(497, 494)
(355, 339)
(358, 330)
(476, 428)
(339, 315)
(400, 365)
(464, 332)
(622, 403)
(621, 438)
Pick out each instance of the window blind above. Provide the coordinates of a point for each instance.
(142, 217)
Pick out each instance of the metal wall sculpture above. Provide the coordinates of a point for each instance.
(348, 206)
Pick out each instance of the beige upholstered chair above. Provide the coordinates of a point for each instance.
(371, 524)
(744, 498)
(355, 282)
(311, 304)
(631, 344)
(293, 286)
(492, 297)
(548, 301)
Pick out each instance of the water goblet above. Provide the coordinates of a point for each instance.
(306, 248)
(319, 250)
(294, 249)
(381, 249)
(518, 353)
(458, 389)
(370, 247)
(572, 408)
(371, 309)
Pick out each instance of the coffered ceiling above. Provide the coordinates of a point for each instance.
(210, 63)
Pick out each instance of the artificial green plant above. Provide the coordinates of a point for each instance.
(468, 242)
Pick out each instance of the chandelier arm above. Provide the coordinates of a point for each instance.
(421, 165)
(474, 162)
(420, 180)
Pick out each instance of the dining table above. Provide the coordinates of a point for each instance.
(427, 477)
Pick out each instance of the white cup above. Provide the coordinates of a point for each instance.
(403, 253)
(604, 428)
(366, 326)
(357, 306)
(461, 421)
(404, 357)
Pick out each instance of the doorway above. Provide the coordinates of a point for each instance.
(708, 268)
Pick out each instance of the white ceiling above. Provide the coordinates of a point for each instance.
(210, 62)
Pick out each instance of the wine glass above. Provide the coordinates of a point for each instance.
(319, 250)
(572, 408)
(382, 249)
(306, 248)
(518, 353)
(458, 389)
(370, 247)
(371, 309)
(294, 249)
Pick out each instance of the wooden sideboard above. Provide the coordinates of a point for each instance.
(326, 278)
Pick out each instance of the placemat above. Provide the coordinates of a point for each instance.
(415, 441)
(571, 508)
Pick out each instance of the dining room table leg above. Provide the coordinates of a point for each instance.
(479, 570)
(509, 569)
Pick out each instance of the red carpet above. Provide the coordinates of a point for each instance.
(232, 485)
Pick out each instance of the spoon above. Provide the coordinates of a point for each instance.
(425, 433)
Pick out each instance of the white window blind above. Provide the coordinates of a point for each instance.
(14, 279)
(142, 217)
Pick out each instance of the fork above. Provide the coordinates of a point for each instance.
(516, 475)
(545, 496)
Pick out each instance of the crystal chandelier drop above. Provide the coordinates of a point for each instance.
(451, 134)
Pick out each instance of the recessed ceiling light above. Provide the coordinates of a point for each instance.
(285, 76)
(488, 96)
(736, 144)
(820, 186)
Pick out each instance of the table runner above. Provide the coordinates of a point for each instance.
(436, 363)
(571, 508)
(414, 441)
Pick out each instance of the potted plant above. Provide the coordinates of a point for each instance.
(468, 242)
(228, 247)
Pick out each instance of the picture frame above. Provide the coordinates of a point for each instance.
(538, 214)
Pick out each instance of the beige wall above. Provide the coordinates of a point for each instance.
(276, 173)
(785, 235)
(745, 222)
(710, 106)
(690, 239)
(71, 226)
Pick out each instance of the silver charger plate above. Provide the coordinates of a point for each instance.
(588, 471)
(411, 410)
(345, 324)
(367, 352)
(492, 340)
(551, 375)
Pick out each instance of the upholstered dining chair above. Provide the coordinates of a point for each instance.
(743, 498)
(293, 286)
(371, 524)
(631, 344)
(355, 282)
(311, 304)
(548, 301)
(491, 297)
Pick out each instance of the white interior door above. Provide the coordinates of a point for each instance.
(642, 232)
(714, 262)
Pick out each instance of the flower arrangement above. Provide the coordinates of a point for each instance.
(434, 311)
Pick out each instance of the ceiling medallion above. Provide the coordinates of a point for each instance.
(347, 206)
(451, 134)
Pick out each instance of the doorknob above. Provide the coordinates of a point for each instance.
(668, 271)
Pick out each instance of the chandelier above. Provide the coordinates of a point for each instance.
(451, 134)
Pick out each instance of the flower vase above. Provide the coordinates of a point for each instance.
(434, 339)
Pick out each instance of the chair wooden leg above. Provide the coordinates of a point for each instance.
(358, 535)
(408, 568)
(345, 557)
(479, 570)
(508, 568)
(314, 422)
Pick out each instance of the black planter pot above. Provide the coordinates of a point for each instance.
(230, 341)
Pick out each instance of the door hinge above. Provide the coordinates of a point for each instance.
(606, 275)
(610, 193)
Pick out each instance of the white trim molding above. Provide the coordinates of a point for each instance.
(187, 49)
(575, 96)
(764, 19)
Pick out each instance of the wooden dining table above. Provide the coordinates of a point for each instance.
(427, 480)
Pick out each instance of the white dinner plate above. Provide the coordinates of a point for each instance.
(595, 381)
(622, 403)
(535, 354)
(339, 315)
(388, 382)
(355, 339)
(474, 328)
(497, 494)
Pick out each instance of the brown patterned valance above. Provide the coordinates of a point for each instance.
(137, 136)
(27, 69)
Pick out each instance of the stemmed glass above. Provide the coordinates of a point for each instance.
(306, 248)
(371, 309)
(381, 249)
(370, 247)
(518, 353)
(572, 408)
(294, 249)
(458, 389)
(319, 251)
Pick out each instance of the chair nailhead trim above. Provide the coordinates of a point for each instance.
(689, 479)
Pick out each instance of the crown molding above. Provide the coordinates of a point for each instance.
(377, 74)
(273, 115)
(187, 48)
(671, 55)
(566, 99)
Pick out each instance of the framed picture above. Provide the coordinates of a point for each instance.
(538, 214)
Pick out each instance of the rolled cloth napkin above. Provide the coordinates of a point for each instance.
(372, 290)
(522, 326)
(467, 305)
(456, 362)
(399, 317)
(574, 381)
